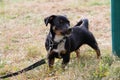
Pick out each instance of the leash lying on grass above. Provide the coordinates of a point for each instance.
(38, 63)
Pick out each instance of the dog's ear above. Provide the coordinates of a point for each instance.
(49, 19)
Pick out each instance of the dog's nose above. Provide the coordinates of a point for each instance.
(66, 31)
(67, 25)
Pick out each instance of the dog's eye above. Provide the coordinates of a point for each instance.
(61, 21)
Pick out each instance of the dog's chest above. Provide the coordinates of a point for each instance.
(58, 38)
(61, 46)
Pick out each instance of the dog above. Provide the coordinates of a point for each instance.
(62, 40)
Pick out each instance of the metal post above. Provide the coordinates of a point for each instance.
(115, 11)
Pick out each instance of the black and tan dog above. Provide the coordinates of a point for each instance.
(62, 40)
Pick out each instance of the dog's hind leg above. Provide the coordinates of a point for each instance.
(98, 53)
(93, 43)
(96, 48)
(77, 53)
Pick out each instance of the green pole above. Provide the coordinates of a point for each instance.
(115, 11)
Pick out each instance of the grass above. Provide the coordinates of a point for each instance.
(32, 52)
(23, 33)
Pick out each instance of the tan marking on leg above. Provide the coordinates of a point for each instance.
(98, 54)
(78, 53)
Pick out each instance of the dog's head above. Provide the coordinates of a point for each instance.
(59, 24)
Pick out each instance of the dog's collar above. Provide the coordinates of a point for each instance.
(62, 40)
(54, 43)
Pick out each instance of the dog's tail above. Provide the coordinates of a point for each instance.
(83, 22)
(38, 63)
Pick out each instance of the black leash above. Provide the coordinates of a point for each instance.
(38, 63)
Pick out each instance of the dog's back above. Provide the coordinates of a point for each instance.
(81, 35)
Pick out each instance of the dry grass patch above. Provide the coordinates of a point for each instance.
(23, 33)
(33, 52)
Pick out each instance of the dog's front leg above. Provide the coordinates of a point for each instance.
(65, 61)
(51, 60)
